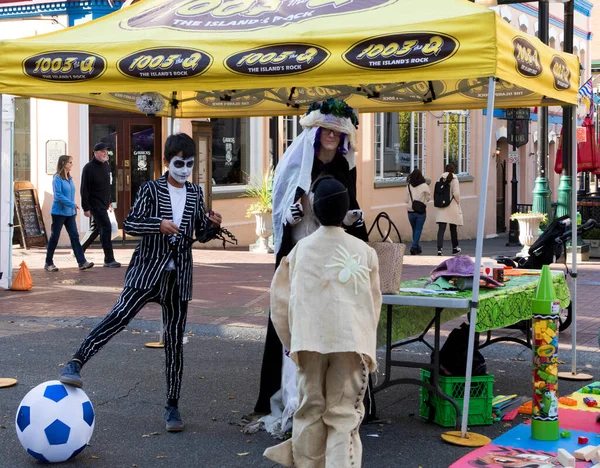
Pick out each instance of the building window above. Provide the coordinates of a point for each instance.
(291, 129)
(456, 140)
(22, 140)
(399, 143)
(230, 151)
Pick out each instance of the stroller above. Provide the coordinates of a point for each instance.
(546, 250)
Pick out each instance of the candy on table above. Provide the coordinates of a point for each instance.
(565, 434)
(581, 440)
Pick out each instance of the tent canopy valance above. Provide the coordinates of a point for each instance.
(216, 58)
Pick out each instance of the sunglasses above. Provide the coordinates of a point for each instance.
(179, 164)
(335, 133)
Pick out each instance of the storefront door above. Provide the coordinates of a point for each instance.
(134, 154)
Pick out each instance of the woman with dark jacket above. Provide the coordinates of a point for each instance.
(63, 213)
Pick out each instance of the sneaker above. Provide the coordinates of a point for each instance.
(86, 265)
(413, 251)
(113, 264)
(50, 268)
(70, 374)
(440, 252)
(456, 250)
(173, 419)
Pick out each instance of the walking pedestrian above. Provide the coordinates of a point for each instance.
(63, 213)
(417, 196)
(325, 306)
(95, 201)
(326, 146)
(449, 211)
(166, 213)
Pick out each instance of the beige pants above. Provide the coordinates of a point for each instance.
(331, 388)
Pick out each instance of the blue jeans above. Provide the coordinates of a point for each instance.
(416, 221)
(57, 223)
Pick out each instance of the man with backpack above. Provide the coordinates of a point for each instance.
(446, 198)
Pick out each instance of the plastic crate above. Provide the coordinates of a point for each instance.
(480, 403)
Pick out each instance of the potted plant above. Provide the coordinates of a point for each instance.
(529, 225)
(592, 237)
(261, 209)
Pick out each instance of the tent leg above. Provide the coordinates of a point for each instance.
(469, 439)
(573, 375)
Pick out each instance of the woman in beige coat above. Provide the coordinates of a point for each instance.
(452, 214)
(417, 190)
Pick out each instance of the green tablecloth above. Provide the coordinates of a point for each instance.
(498, 307)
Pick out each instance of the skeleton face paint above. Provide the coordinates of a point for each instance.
(181, 169)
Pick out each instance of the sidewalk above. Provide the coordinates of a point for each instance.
(231, 287)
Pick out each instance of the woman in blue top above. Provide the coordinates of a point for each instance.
(63, 213)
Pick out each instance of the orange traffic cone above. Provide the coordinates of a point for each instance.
(22, 281)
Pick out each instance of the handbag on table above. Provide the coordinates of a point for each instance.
(389, 253)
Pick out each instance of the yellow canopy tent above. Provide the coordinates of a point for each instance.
(211, 58)
(215, 58)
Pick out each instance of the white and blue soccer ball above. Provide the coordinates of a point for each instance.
(55, 421)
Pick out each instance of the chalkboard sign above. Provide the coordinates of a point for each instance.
(29, 215)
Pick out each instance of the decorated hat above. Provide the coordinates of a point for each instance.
(330, 201)
(461, 265)
(333, 114)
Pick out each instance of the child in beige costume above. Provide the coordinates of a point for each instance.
(325, 305)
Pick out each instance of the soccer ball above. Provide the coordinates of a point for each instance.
(55, 422)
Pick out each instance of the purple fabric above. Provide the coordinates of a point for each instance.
(461, 265)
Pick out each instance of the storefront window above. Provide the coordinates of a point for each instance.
(230, 151)
(22, 140)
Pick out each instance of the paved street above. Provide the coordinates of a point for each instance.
(39, 330)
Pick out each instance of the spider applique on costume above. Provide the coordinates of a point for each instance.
(350, 267)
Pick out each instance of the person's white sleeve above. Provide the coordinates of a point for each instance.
(280, 300)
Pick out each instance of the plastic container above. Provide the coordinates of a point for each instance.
(480, 403)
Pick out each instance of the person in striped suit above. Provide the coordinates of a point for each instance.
(166, 214)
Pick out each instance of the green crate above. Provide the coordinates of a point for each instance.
(480, 403)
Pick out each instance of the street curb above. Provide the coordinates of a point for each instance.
(144, 325)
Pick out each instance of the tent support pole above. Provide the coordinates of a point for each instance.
(573, 375)
(487, 148)
(471, 439)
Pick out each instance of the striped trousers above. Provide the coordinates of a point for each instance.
(130, 302)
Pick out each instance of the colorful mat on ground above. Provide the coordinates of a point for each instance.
(516, 449)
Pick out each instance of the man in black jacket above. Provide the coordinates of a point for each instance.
(166, 214)
(95, 201)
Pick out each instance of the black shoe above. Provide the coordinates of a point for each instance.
(70, 374)
(419, 251)
(113, 264)
(86, 265)
(173, 419)
(456, 250)
(414, 251)
(50, 268)
(440, 252)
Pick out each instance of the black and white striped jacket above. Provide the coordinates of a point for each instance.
(151, 256)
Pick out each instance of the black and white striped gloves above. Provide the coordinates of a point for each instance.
(294, 214)
(354, 218)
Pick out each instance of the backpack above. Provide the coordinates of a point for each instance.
(453, 355)
(441, 194)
